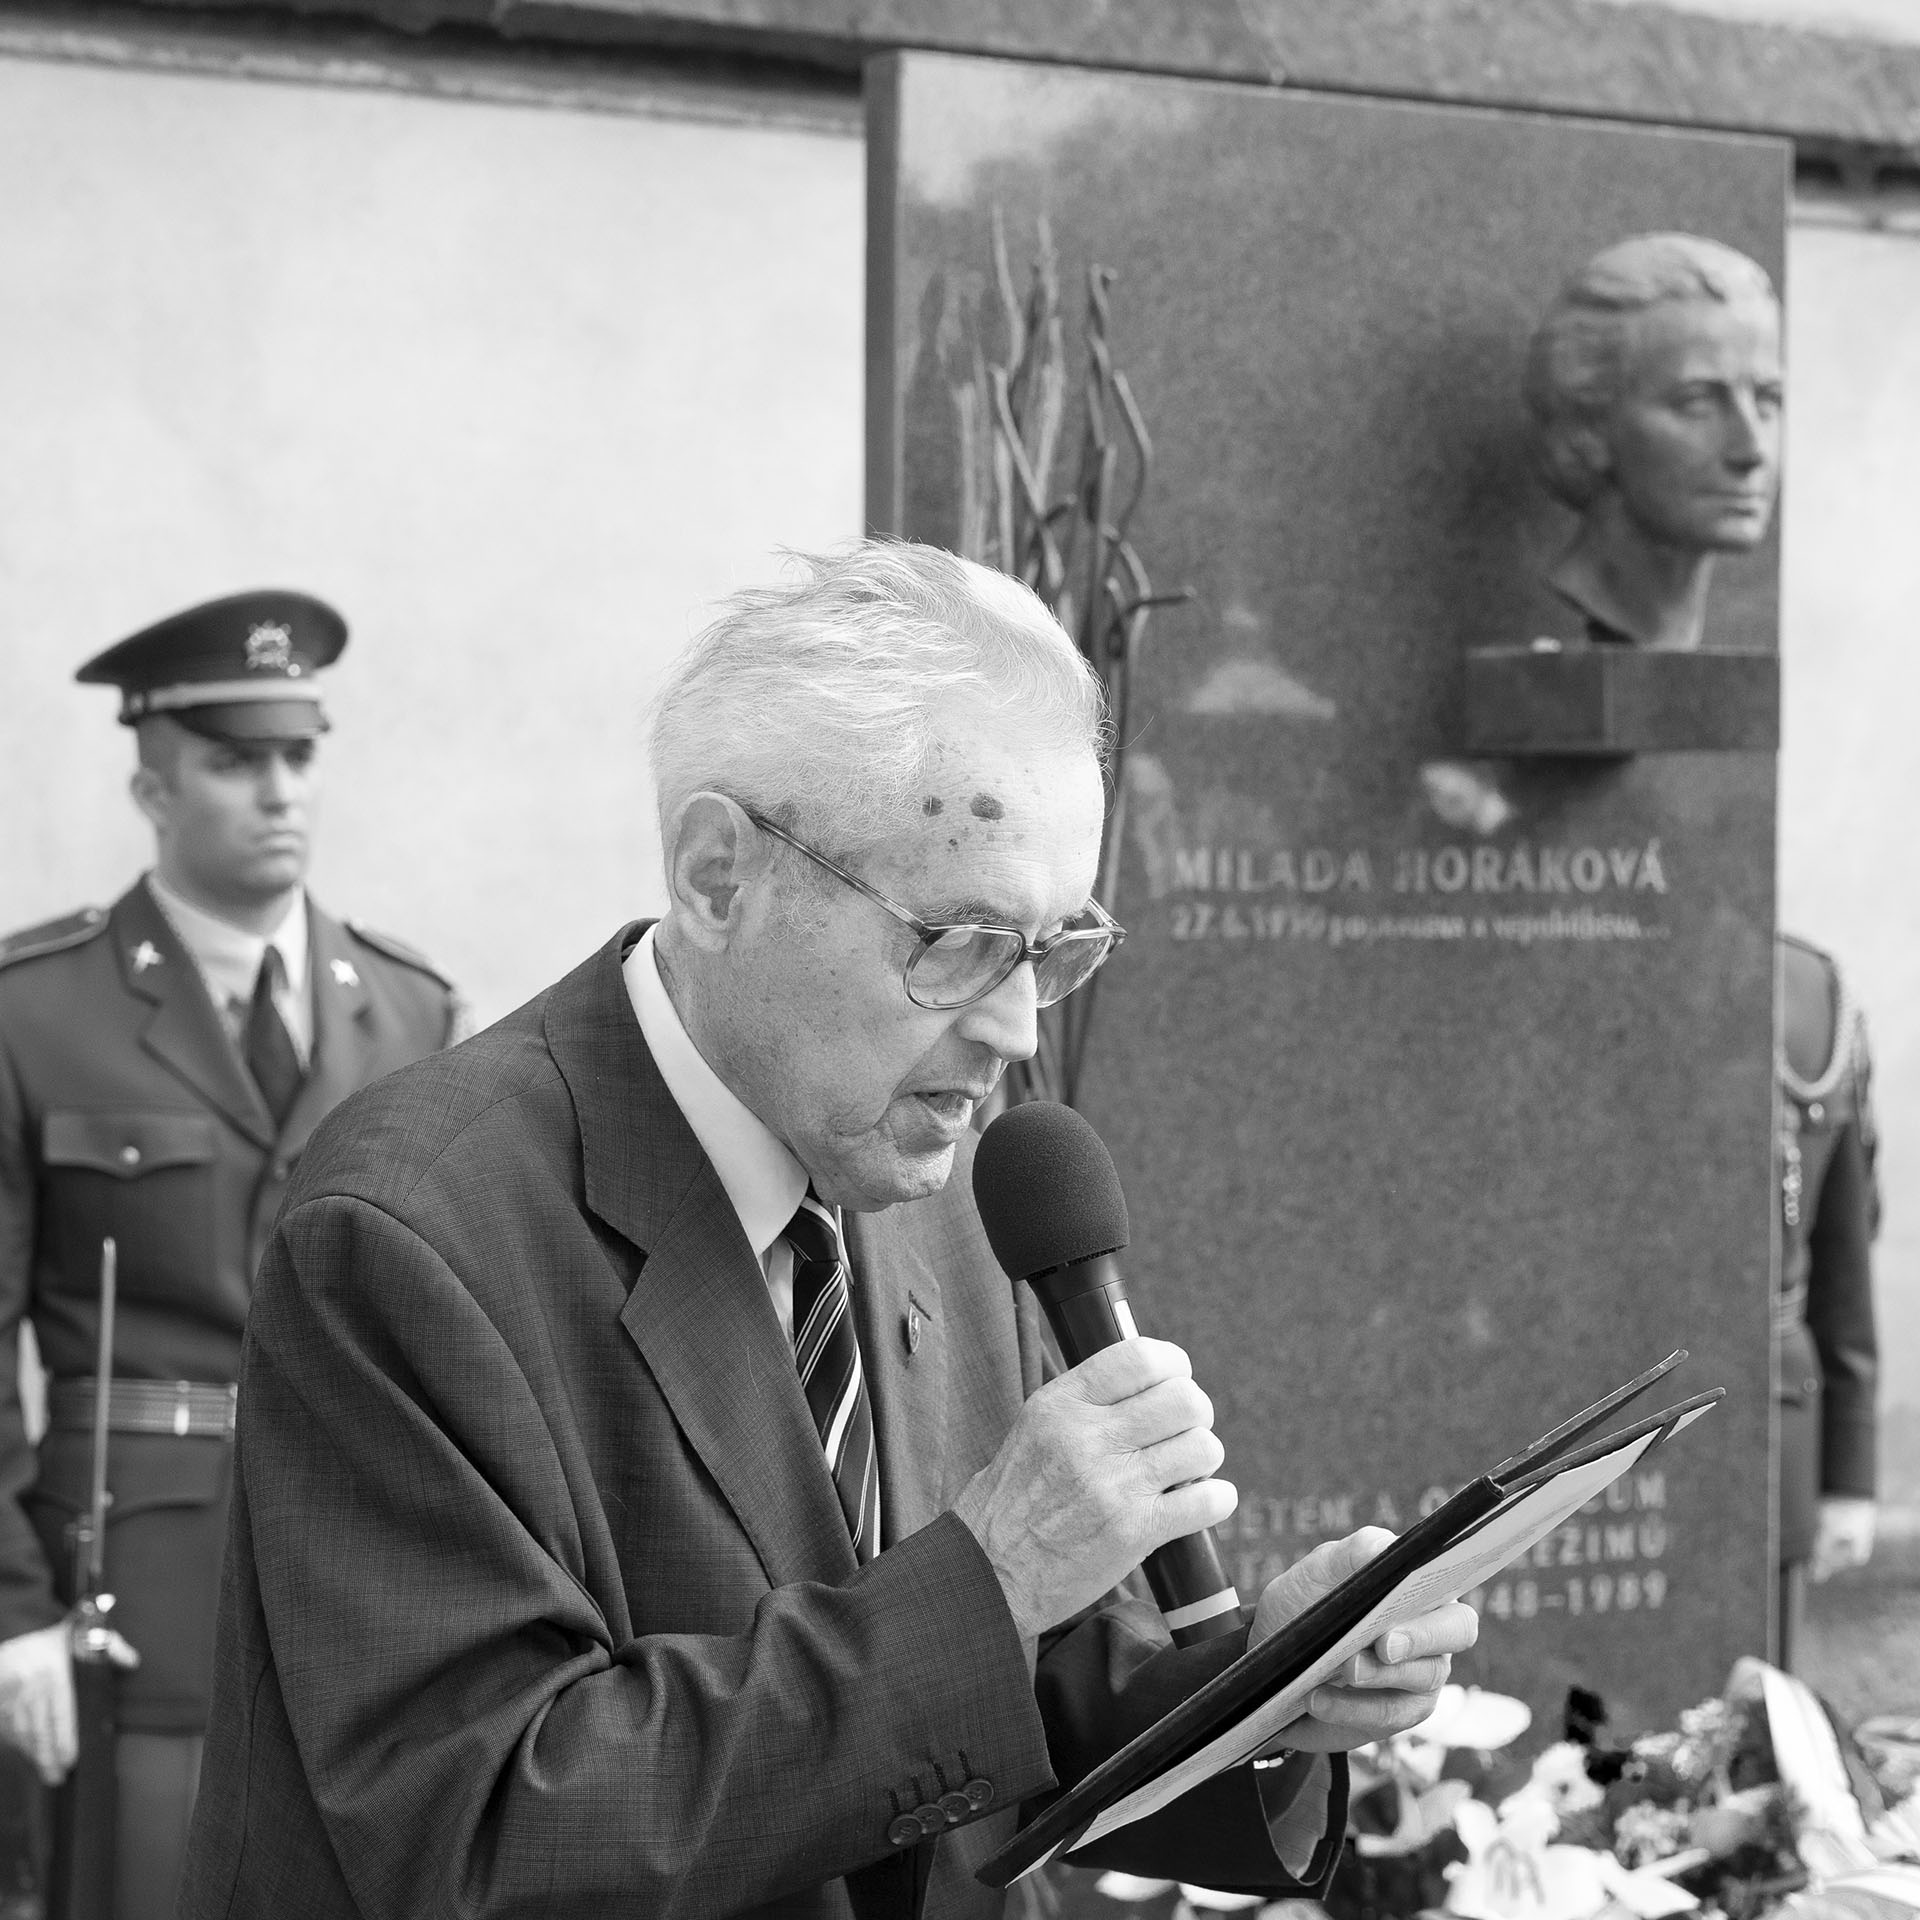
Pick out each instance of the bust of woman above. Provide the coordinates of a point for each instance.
(1655, 386)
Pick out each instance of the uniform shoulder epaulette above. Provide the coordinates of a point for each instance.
(397, 950)
(1816, 1041)
(53, 936)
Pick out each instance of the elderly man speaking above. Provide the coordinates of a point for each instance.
(651, 1497)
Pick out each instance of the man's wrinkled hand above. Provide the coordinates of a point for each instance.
(36, 1695)
(1387, 1687)
(1104, 1464)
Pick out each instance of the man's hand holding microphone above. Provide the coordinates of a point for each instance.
(1112, 1463)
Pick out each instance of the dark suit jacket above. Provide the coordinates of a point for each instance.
(125, 1109)
(539, 1599)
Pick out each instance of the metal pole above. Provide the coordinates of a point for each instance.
(86, 1814)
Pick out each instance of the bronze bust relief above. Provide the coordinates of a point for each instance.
(1655, 387)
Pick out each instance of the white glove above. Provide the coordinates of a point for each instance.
(1843, 1537)
(36, 1695)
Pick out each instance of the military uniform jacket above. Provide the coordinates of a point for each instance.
(126, 1109)
(1829, 1211)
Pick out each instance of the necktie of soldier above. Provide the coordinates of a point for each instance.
(827, 1354)
(271, 1058)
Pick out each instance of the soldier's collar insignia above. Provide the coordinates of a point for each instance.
(146, 955)
(270, 647)
(343, 973)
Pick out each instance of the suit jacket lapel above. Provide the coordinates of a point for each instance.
(343, 1036)
(699, 1311)
(896, 1307)
(185, 1032)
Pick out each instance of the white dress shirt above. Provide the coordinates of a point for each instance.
(229, 961)
(763, 1180)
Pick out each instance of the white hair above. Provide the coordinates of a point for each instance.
(818, 702)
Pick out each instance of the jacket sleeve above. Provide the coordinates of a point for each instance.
(1111, 1676)
(1840, 1317)
(26, 1586)
(1111, 1673)
(475, 1734)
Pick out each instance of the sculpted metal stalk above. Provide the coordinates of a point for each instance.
(1066, 538)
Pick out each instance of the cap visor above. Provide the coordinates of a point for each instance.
(242, 720)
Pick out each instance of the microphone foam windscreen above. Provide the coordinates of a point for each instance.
(1046, 1189)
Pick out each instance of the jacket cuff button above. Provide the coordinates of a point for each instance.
(904, 1832)
(979, 1794)
(957, 1807)
(931, 1819)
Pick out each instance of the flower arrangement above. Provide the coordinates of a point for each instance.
(1751, 1808)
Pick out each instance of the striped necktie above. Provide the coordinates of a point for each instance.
(827, 1354)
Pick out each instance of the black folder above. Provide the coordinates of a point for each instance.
(1533, 1491)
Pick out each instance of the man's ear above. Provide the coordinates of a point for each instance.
(152, 796)
(713, 853)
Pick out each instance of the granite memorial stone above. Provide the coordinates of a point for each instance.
(1439, 1083)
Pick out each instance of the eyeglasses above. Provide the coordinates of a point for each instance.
(959, 962)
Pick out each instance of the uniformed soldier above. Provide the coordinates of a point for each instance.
(162, 1063)
(1823, 1326)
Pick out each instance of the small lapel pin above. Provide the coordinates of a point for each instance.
(146, 955)
(343, 973)
(910, 1327)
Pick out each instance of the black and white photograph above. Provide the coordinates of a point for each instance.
(959, 962)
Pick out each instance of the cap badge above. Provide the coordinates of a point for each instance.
(343, 973)
(146, 955)
(270, 647)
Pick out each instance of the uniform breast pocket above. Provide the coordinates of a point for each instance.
(144, 1177)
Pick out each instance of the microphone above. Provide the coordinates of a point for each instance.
(1051, 1203)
